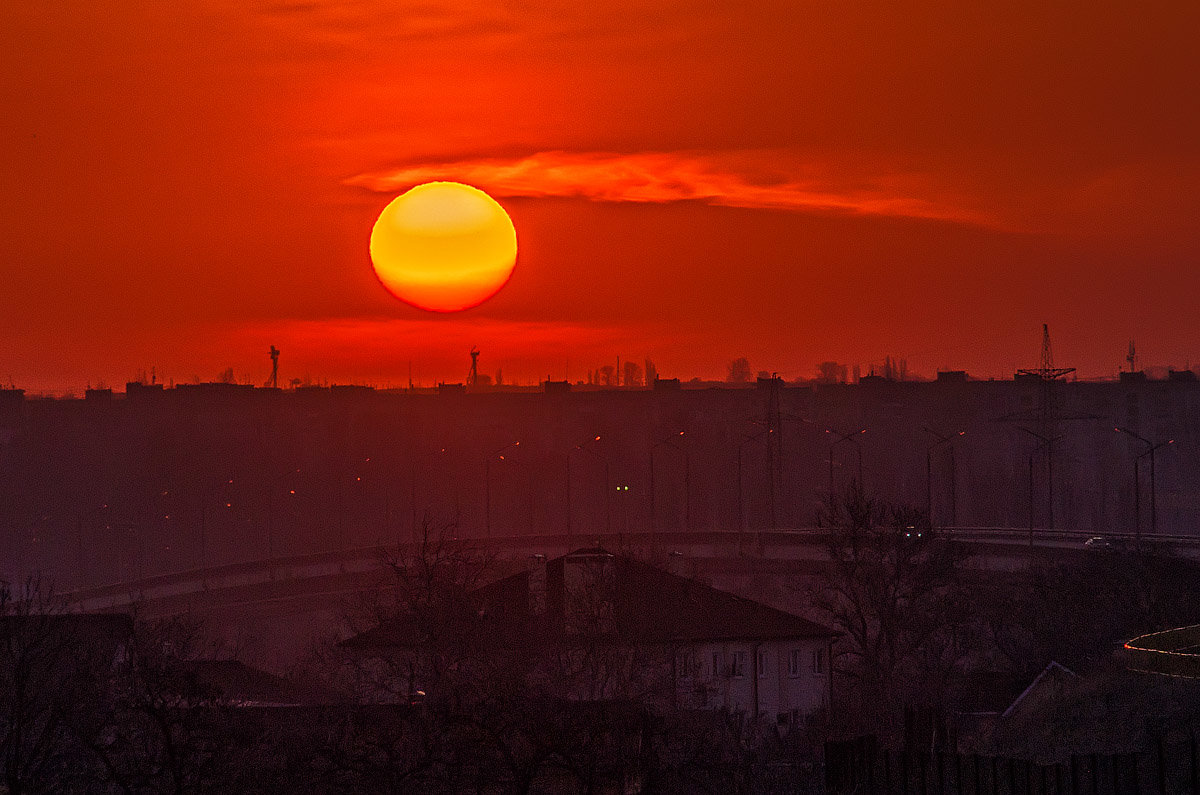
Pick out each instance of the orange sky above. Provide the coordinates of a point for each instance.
(690, 182)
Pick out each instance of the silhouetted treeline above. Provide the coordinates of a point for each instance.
(1024, 664)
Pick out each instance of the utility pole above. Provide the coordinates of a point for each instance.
(1150, 448)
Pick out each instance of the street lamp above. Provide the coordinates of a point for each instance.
(487, 486)
(687, 497)
(1150, 448)
(941, 439)
(741, 448)
(582, 446)
(844, 437)
(205, 499)
(1048, 443)
(96, 517)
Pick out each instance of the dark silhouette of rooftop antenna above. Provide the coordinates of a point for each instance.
(1131, 357)
(273, 381)
(473, 375)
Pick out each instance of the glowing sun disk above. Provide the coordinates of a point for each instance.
(444, 247)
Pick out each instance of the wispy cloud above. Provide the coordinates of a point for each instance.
(737, 179)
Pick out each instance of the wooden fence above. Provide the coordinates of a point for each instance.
(1171, 766)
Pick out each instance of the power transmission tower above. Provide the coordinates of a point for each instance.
(1046, 416)
(1049, 375)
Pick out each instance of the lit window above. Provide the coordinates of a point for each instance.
(794, 663)
(737, 664)
(818, 661)
(762, 662)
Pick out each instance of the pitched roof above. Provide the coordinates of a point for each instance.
(640, 604)
(1053, 674)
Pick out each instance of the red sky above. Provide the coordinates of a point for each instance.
(184, 186)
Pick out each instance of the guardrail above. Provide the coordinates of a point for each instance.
(357, 559)
(1168, 652)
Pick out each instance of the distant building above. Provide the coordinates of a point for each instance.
(705, 648)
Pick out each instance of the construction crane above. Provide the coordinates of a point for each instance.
(273, 381)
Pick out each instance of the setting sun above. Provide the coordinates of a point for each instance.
(444, 247)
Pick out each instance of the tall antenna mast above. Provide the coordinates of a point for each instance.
(273, 381)
(473, 375)
(1131, 357)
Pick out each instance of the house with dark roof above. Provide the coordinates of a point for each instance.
(617, 620)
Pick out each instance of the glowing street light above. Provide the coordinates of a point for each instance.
(1150, 448)
(741, 449)
(1048, 443)
(584, 447)
(851, 437)
(487, 485)
(207, 496)
(941, 439)
(687, 497)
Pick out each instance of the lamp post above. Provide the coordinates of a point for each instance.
(844, 437)
(1048, 443)
(487, 486)
(100, 517)
(687, 492)
(205, 500)
(941, 439)
(582, 446)
(741, 448)
(1150, 448)
(1031, 453)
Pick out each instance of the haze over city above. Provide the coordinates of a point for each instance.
(690, 183)
(641, 396)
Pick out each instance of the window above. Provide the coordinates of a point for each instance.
(737, 664)
(818, 661)
(794, 663)
(716, 666)
(686, 664)
(762, 663)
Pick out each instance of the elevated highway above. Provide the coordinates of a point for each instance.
(274, 611)
(725, 559)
